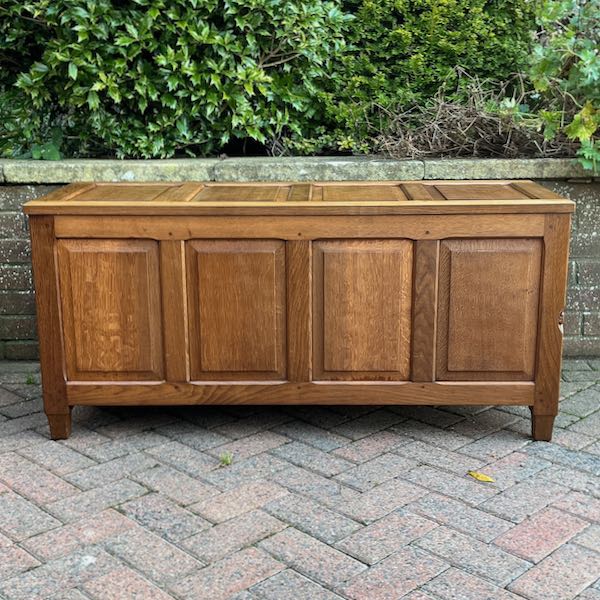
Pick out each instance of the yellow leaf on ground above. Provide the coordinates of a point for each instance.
(480, 476)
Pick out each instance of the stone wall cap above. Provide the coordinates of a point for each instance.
(321, 168)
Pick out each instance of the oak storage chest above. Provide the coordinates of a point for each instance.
(430, 292)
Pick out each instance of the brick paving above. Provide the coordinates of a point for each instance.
(356, 503)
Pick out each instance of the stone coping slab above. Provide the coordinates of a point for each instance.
(323, 168)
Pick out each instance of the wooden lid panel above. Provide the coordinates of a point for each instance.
(359, 197)
(124, 192)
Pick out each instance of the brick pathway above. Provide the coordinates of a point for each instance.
(318, 503)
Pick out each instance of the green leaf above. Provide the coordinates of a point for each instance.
(72, 70)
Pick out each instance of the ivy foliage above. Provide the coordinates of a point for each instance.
(150, 78)
(565, 70)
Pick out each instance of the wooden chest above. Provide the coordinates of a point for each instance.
(292, 293)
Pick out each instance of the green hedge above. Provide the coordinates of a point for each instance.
(154, 78)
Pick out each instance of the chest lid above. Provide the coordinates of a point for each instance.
(301, 198)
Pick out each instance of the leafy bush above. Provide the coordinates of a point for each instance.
(565, 70)
(148, 78)
(401, 51)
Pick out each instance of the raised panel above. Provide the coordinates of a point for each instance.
(362, 298)
(488, 309)
(236, 303)
(110, 300)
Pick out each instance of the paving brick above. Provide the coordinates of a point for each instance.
(523, 499)
(455, 584)
(193, 436)
(394, 576)
(25, 407)
(514, 468)
(122, 447)
(321, 416)
(561, 575)
(230, 536)
(184, 458)
(576, 480)
(20, 519)
(374, 472)
(163, 517)
(313, 518)
(253, 468)
(496, 445)
(221, 580)
(250, 446)
(175, 485)
(540, 535)
(582, 403)
(312, 458)
(590, 425)
(440, 438)
(581, 505)
(264, 419)
(590, 538)
(156, 558)
(113, 470)
(473, 556)
(572, 439)
(136, 422)
(371, 446)
(94, 501)
(471, 521)
(312, 558)
(58, 575)
(378, 501)
(440, 458)
(10, 443)
(367, 424)
(484, 423)
(69, 538)
(589, 594)
(15, 560)
(312, 484)
(467, 490)
(72, 594)
(312, 435)
(570, 458)
(289, 584)
(227, 505)
(386, 536)
(82, 439)
(32, 481)
(428, 414)
(123, 584)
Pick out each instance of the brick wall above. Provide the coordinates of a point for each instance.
(17, 309)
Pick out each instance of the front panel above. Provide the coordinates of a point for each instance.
(361, 309)
(488, 303)
(110, 302)
(236, 304)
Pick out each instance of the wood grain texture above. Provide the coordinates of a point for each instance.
(415, 227)
(316, 393)
(111, 309)
(424, 313)
(550, 334)
(320, 198)
(299, 310)
(488, 309)
(362, 304)
(236, 300)
(50, 333)
(173, 286)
